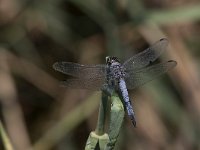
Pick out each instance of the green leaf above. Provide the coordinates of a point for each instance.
(116, 119)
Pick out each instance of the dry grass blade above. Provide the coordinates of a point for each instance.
(11, 109)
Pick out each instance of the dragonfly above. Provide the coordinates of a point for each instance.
(118, 76)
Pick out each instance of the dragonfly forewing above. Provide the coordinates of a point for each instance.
(136, 78)
(143, 58)
(81, 71)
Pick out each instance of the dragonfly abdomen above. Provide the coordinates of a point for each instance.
(129, 108)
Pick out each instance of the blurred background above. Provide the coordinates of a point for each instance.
(37, 113)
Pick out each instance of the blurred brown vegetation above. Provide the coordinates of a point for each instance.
(39, 114)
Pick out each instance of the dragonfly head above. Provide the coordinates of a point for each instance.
(111, 59)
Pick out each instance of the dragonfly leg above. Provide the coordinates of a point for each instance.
(108, 90)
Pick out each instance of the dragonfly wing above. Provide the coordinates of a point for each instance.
(92, 84)
(80, 71)
(143, 58)
(139, 77)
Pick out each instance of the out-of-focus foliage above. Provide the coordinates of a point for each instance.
(5, 140)
(34, 34)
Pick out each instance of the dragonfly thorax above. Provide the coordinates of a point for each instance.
(115, 69)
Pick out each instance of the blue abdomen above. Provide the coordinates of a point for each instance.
(125, 96)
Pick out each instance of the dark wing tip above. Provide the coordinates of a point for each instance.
(163, 39)
(172, 62)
